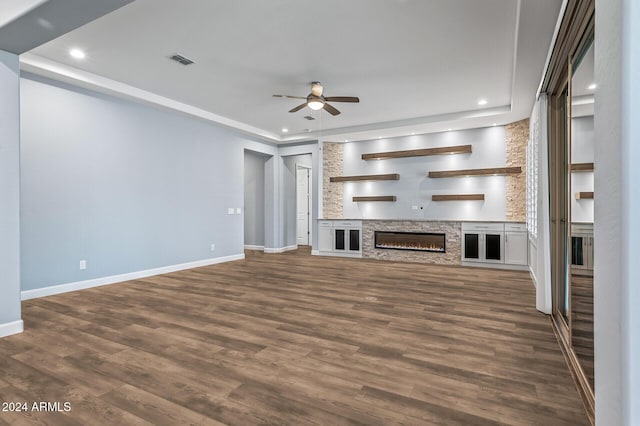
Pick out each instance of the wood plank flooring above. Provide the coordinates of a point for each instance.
(582, 323)
(293, 339)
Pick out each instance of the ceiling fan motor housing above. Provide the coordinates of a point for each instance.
(316, 88)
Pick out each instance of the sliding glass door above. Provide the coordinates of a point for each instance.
(571, 91)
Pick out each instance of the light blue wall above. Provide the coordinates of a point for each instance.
(9, 190)
(414, 187)
(125, 187)
(254, 217)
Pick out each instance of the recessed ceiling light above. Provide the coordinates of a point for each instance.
(482, 102)
(494, 124)
(592, 86)
(77, 53)
(379, 137)
(449, 129)
(346, 140)
(285, 130)
(413, 133)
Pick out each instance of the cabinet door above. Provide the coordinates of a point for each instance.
(471, 249)
(579, 252)
(515, 248)
(339, 240)
(493, 247)
(354, 240)
(325, 239)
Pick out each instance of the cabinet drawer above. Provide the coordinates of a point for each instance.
(581, 228)
(326, 223)
(347, 224)
(515, 227)
(482, 227)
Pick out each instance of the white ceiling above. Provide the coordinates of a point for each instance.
(417, 65)
(13, 9)
(582, 93)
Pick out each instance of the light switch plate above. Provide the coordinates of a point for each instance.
(230, 210)
(238, 210)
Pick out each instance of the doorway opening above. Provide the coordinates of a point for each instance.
(254, 200)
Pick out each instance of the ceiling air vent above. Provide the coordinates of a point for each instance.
(181, 59)
(308, 117)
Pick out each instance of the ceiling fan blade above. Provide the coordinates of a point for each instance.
(298, 108)
(289, 96)
(316, 89)
(353, 99)
(330, 109)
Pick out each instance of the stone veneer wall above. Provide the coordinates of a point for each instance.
(453, 231)
(517, 135)
(332, 165)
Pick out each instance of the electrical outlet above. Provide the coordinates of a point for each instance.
(213, 247)
(230, 210)
(414, 207)
(83, 265)
(238, 210)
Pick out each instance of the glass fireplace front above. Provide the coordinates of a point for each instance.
(416, 241)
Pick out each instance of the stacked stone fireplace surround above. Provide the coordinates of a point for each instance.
(452, 230)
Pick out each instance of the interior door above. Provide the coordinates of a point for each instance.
(303, 210)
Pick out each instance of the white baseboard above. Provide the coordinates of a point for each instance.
(252, 247)
(9, 328)
(315, 252)
(280, 249)
(533, 276)
(490, 265)
(81, 285)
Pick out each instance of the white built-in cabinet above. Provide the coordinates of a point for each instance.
(494, 244)
(340, 238)
(516, 244)
(582, 248)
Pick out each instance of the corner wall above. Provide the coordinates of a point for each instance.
(617, 229)
(10, 322)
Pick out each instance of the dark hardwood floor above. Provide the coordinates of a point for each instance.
(293, 339)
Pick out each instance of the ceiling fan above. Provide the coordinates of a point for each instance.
(316, 101)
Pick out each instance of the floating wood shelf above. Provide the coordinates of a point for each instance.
(582, 167)
(375, 198)
(391, 176)
(459, 149)
(584, 195)
(458, 197)
(477, 172)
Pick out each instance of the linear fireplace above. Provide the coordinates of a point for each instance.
(416, 241)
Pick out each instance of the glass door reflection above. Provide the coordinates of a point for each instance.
(581, 182)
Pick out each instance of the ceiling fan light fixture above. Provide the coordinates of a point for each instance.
(315, 104)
